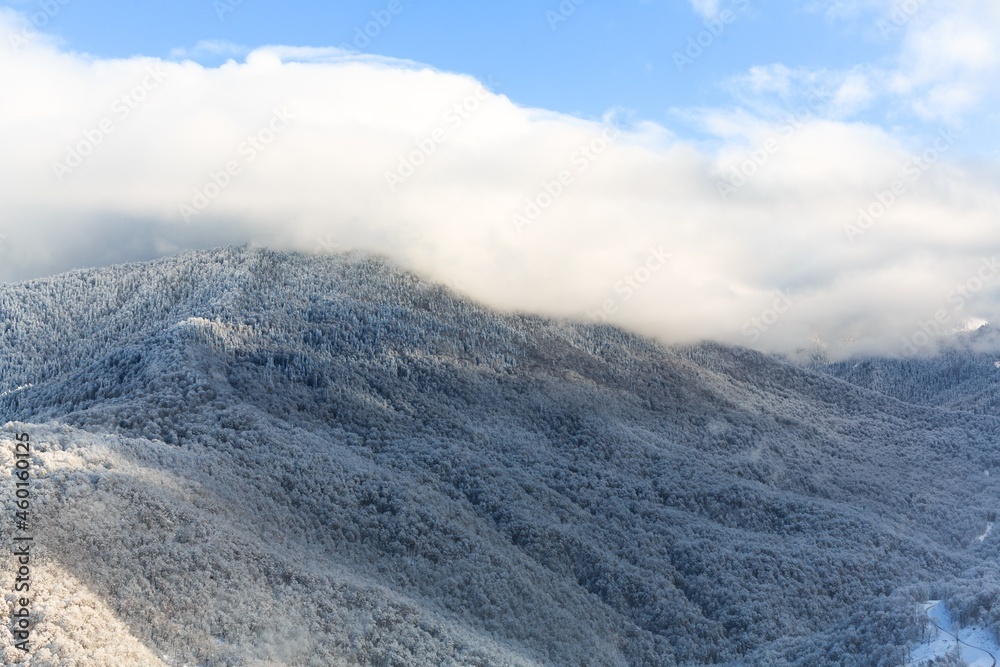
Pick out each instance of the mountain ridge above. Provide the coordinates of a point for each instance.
(488, 471)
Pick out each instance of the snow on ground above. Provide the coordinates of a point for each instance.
(942, 642)
(15, 390)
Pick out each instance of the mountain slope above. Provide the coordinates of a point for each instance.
(311, 460)
(964, 375)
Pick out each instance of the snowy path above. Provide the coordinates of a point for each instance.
(978, 647)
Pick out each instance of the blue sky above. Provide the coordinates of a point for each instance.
(815, 174)
(579, 59)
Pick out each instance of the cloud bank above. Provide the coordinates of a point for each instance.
(793, 227)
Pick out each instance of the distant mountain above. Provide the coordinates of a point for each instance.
(964, 375)
(245, 457)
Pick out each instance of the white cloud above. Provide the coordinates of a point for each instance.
(770, 79)
(853, 95)
(948, 58)
(214, 47)
(319, 179)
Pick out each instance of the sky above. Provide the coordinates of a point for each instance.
(816, 175)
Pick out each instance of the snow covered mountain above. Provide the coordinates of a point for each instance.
(244, 457)
(964, 375)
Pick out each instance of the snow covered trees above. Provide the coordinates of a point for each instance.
(330, 461)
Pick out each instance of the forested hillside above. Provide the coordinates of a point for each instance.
(964, 375)
(253, 458)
